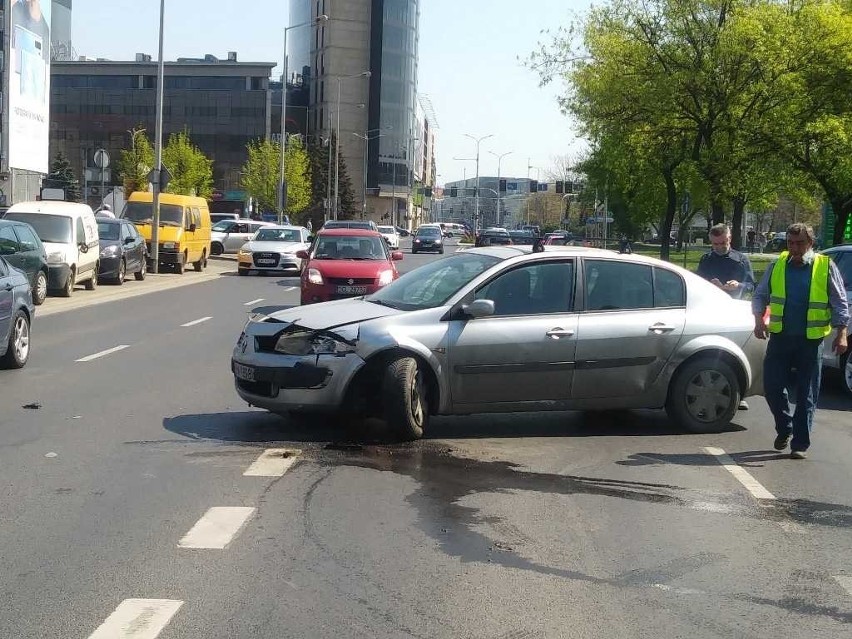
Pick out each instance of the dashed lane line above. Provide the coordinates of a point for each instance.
(740, 474)
(109, 351)
(196, 322)
(138, 619)
(217, 528)
(253, 302)
(273, 462)
(288, 289)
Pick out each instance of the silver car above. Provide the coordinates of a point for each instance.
(502, 329)
(228, 236)
(273, 248)
(842, 256)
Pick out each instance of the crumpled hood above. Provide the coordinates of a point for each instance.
(333, 314)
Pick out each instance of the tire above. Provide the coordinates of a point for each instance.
(404, 394)
(441, 251)
(199, 265)
(68, 289)
(846, 374)
(179, 265)
(216, 249)
(143, 270)
(122, 272)
(242, 271)
(18, 348)
(92, 282)
(40, 288)
(704, 396)
(414, 251)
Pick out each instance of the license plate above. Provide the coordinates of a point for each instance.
(265, 262)
(244, 372)
(352, 290)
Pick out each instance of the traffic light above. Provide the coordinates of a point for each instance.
(454, 191)
(560, 187)
(533, 186)
(502, 186)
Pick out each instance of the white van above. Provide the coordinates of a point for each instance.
(69, 232)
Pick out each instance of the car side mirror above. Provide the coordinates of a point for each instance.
(479, 308)
(302, 255)
(396, 256)
(84, 248)
(191, 228)
(129, 240)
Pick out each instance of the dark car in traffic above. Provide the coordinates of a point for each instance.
(123, 250)
(428, 238)
(16, 313)
(21, 247)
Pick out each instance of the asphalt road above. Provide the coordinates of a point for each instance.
(125, 510)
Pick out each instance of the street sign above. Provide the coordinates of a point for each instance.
(101, 159)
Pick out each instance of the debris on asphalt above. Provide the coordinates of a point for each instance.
(33, 406)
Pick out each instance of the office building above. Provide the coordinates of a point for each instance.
(458, 203)
(61, 47)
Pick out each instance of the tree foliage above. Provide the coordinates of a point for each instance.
(320, 161)
(135, 163)
(262, 174)
(62, 176)
(191, 170)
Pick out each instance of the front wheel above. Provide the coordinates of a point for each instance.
(216, 249)
(18, 348)
(846, 373)
(122, 273)
(405, 400)
(242, 271)
(68, 288)
(92, 282)
(181, 260)
(143, 270)
(40, 289)
(200, 263)
(704, 396)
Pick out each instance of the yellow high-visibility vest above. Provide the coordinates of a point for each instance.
(819, 311)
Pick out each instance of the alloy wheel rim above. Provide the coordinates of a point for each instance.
(22, 339)
(41, 286)
(122, 270)
(417, 398)
(708, 396)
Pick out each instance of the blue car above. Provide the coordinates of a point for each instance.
(16, 313)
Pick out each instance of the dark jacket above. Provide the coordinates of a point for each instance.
(732, 266)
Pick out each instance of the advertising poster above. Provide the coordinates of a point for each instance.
(29, 85)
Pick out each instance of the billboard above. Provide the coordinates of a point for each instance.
(29, 85)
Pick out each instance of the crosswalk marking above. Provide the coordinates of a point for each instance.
(138, 619)
(217, 528)
(273, 462)
(740, 474)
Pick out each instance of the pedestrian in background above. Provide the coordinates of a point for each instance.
(806, 298)
(728, 269)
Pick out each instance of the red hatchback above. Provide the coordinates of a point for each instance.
(346, 263)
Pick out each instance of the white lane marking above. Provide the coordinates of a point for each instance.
(138, 619)
(740, 474)
(108, 351)
(217, 528)
(287, 289)
(253, 302)
(196, 322)
(846, 582)
(273, 462)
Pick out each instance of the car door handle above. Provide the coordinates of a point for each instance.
(557, 333)
(8, 286)
(659, 328)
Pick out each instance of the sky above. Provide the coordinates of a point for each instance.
(471, 54)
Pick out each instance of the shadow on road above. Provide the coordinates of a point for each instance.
(748, 458)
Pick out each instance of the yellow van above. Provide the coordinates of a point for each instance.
(184, 227)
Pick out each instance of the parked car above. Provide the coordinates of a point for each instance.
(402, 232)
(391, 236)
(16, 313)
(69, 233)
(367, 225)
(523, 238)
(346, 263)
(123, 251)
(224, 217)
(503, 329)
(842, 256)
(21, 247)
(428, 238)
(274, 248)
(230, 236)
(184, 229)
(494, 237)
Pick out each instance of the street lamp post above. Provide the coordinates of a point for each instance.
(366, 137)
(478, 141)
(364, 74)
(499, 157)
(281, 184)
(158, 145)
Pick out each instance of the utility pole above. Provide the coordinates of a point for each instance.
(158, 143)
(499, 157)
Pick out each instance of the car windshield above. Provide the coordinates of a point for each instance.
(432, 285)
(429, 230)
(49, 228)
(223, 226)
(108, 231)
(350, 247)
(141, 213)
(277, 235)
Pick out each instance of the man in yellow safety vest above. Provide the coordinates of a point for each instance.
(806, 298)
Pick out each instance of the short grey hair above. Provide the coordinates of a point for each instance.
(718, 230)
(798, 228)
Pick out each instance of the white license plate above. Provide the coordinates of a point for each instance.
(352, 290)
(266, 262)
(244, 372)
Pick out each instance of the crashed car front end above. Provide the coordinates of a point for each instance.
(282, 366)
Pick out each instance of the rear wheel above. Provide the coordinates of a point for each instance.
(200, 263)
(92, 282)
(216, 249)
(143, 270)
(122, 272)
(846, 373)
(68, 288)
(40, 288)
(404, 392)
(704, 396)
(179, 265)
(18, 348)
(242, 271)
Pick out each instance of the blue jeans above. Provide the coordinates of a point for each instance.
(796, 359)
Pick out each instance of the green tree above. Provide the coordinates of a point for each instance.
(318, 154)
(297, 172)
(62, 176)
(135, 163)
(191, 170)
(262, 173)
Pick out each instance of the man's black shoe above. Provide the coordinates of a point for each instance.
(782, 441)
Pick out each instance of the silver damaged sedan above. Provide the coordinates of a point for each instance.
(503, 329)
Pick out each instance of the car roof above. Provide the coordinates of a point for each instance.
(55, 207)
(358, 232)
(840, 248)
(284, 227)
